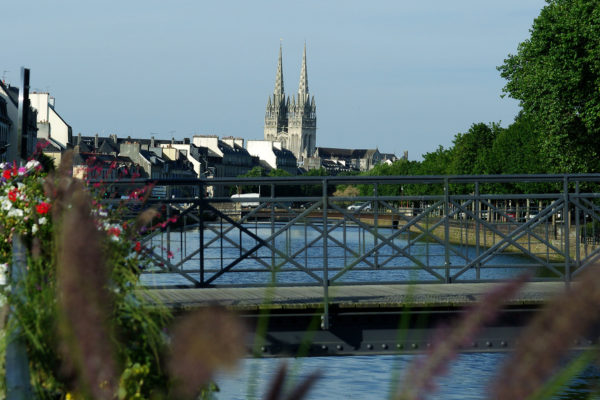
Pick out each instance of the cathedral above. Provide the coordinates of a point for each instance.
(292, 121)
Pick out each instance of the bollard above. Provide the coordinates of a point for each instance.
(18, 384)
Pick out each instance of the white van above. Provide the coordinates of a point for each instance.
(246, 199)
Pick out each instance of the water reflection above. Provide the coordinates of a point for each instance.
(372, 377)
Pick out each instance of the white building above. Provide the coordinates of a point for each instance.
(194, 154)
(272, 155)
(50, 124)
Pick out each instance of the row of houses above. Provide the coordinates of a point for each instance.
(201, 156)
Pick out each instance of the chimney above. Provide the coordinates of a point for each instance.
(79, 138)
(172, 140)
(152, 141)
(405, 155)
(96, 141)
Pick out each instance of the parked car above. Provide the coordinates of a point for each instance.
(359, 206)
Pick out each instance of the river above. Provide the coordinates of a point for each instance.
(371, 377)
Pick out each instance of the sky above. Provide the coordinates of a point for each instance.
(393, 75)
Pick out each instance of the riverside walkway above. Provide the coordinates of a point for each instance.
(354, 271)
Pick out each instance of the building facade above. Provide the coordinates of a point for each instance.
(50, 124)
(292, 121)
(10, 95)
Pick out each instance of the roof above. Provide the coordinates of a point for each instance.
(329, 152)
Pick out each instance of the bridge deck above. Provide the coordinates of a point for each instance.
(362, 319)
(351, 296)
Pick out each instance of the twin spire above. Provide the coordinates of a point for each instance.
(279, 78)
(302, 87)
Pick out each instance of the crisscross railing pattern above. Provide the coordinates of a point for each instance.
(301, 231)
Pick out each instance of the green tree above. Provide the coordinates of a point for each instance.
(437, 162)
(256, 172)
(556, 77)
(472, 149)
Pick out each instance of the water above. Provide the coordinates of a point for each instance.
(370, 377)
(303, 244)
(348, 377)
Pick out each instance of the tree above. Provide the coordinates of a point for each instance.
(556, 77)
(473, 148)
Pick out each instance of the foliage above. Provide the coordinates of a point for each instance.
(26, 210)
(556, 77)
(472, 149)
(90, 329)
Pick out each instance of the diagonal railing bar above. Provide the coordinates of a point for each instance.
(152, 234)
(239, 247)
(426, 232)
(237, 224)
(289, 259)
(541, 217)
(589, 260)
(429, 233)
(260, 243)
(384, 242)
(592, 210)
(340, 244)
(507, 239)
(268, 266)
(166, 265)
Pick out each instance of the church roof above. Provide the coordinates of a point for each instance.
(332, 152)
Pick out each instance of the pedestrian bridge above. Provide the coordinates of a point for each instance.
(324, 259)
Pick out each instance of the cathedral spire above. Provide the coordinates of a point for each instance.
(279, 77)
(303, 87)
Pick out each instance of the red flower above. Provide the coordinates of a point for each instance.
(138, 247)
(12, 195)
(42, 208)
(169, 254)
(6, 174)
(114, 231)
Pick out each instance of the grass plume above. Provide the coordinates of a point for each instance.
(548, 337)
(420, 377)
(83, 297)
(201, 343)
(276, 390)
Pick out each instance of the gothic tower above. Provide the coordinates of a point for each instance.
(302, 117)
(276, 117)
(293, 124)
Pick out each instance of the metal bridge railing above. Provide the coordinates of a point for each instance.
(418, 229)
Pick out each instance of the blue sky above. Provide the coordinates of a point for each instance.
(394, 75)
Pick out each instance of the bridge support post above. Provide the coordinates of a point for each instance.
(325, 234)
(578, 227)
(477, 229)
(201, 230)
(375, 206)
(447, 229)
(17, 377)
(566, 229)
